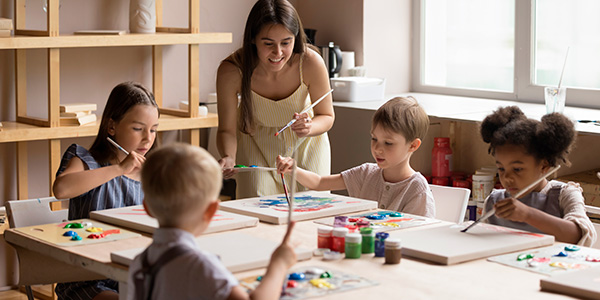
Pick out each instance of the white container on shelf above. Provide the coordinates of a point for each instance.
(354, 89)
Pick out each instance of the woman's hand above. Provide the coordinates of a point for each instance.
(227, 163)
(303, 124)
(132, 163)
(512, 209)
(284, 164)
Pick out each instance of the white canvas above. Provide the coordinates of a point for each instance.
(307, 205)
(134, 217)
(583, 283)
(256, 251)
(447, 245)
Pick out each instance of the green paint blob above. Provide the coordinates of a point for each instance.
(240, 166)
(74, 225)
(524, 256)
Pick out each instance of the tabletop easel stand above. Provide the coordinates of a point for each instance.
(193, 67)
(52, 120)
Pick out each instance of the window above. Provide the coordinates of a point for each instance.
(508, 49)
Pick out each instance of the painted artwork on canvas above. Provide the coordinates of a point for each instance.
(559, 258)
(307, 205)
(135, 217)
(380, 221)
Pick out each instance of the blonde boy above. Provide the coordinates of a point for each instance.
(396, 133)
(181, 184)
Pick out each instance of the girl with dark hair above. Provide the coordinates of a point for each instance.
(273, 73)
(105, 177)
(524, 150)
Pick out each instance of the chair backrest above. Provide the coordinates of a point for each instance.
(450, 202)
(31, 212)
(595, 210)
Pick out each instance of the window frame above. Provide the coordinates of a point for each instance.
(523, 89)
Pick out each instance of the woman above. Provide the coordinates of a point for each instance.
(273, 72)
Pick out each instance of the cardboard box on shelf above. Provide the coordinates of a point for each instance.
(590, 183)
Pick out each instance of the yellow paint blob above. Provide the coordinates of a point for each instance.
(94, 229)
(322, 283)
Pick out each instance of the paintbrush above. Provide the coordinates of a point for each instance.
(303, 111)
(285, 190)
(245, 169)
(117, 145)
(291, 204)
(519, 194)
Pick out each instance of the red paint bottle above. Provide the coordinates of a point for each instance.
(324, 239)
(338, 242)
(441, 157)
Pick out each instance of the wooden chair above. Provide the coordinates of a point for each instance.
(594, 210)
(450, 202)
(22, 213)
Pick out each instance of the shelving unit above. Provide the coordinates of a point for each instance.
(28, 128)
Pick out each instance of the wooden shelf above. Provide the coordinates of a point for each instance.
(82, 41)
(19, 132)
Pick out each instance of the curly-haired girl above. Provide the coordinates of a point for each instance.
(524, 150)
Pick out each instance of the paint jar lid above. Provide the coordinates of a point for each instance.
(324, 230)
(366, 231)
(353, 238)
(483, 177)
(393, 243)
(382, 235)
(340, 231)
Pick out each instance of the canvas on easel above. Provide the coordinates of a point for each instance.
(447, 245)
(307, 205)
(135, 217)
(256, 251)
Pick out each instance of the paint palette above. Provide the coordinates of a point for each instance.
(382, 221)
(307, 205)
(559, 258)
(447, 245)
(80, 232)
(135, 217)
(256, 251)
(313, 281)
(581, 284)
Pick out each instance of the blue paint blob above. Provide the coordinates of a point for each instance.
(296, 276)
(561, 254)
(572, 248)
(385, 213)
(258, 278)
(70, 233)
(253, 166)
(376, 217)
(396, 215)
(273, 202)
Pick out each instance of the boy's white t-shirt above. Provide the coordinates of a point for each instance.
(194, 275)
(411, 195)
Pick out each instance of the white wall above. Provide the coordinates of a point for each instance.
(387, 42)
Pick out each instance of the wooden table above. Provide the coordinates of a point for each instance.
(411, 279)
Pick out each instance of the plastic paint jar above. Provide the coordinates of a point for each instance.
(353, 245)
(482, 186)
(379, 243)
(393, 251)
(368, 240)
(338, 239)
(324, 238)
(441, 157)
